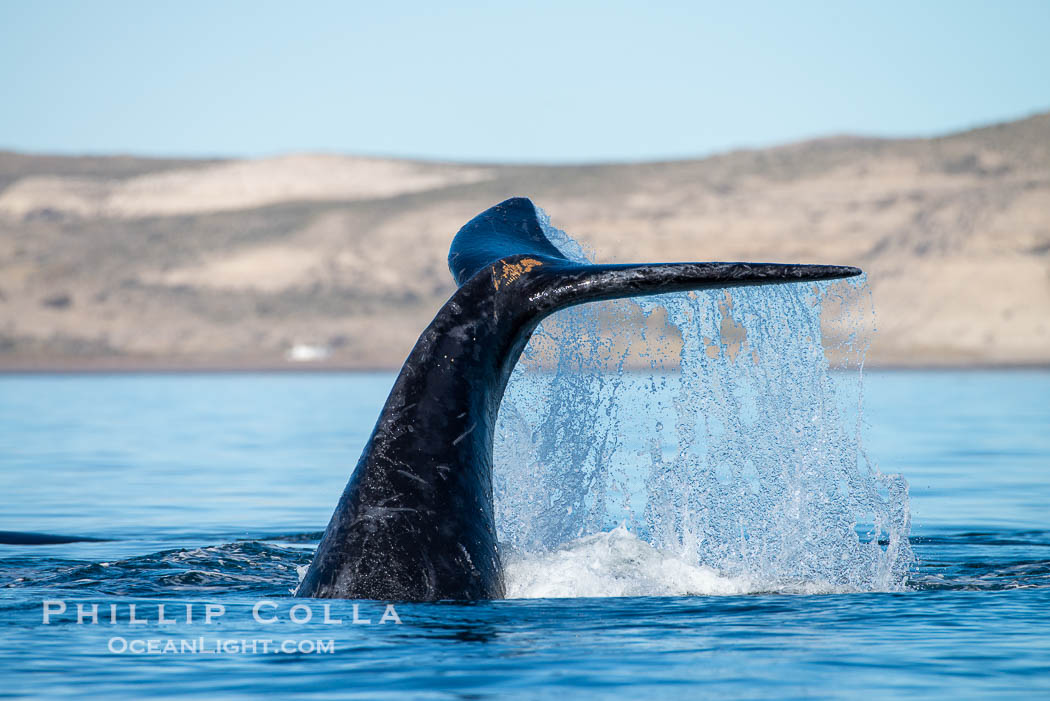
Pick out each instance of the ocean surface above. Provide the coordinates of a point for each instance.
(211, 491)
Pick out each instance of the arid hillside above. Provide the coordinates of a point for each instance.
(120, 262)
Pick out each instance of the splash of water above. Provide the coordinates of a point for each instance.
(723, 430)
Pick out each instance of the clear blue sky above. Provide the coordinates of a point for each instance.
(559, 81)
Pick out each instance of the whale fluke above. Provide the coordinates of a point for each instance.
(415, 521)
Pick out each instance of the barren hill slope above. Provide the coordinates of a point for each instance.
(130, 262)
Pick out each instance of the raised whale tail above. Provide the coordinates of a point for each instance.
(510, 237)
(416, 520)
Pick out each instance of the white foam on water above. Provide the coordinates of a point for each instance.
(300, 573)
(612, 563)
(618, 563)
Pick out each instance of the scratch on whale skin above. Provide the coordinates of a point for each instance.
(417, 478)
(465, 433)
(380, 513)
(466, 554)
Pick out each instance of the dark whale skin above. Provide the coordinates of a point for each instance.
(24, 538)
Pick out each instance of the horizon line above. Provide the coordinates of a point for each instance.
(511, 163)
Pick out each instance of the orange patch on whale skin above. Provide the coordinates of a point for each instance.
(512, 271)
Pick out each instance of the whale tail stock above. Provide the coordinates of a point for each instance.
(416, 521)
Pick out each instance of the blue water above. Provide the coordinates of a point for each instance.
(213, 490)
